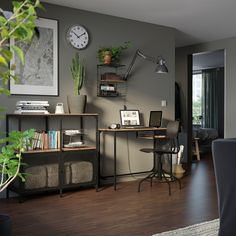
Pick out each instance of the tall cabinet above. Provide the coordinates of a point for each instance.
(63, 154)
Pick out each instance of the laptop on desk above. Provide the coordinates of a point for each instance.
(130, 119)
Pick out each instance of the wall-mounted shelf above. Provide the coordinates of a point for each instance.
(110, 82)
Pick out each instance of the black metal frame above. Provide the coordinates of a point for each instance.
(59, 153)
(158, 153)
(114, 132)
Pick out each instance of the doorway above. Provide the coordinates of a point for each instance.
(206, 118)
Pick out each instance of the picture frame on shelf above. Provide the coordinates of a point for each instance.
(39, 74)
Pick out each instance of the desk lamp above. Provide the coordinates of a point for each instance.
(161, 67)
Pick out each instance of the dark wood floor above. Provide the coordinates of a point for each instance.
(122, 212)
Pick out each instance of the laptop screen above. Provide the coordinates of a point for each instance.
(129, 118)
(155, 118)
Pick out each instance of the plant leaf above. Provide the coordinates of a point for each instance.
(5, 91)
(7, 54)
(3, 61)
(2, 20)
(19, 53)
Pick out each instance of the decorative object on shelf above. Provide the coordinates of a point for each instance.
(71, 132)
(77, 103)
(32, 107)
(59, 108)
(73, 143)
(161, 67)
(111, 55)
(107, 57)
(39, 74)
(77, 36)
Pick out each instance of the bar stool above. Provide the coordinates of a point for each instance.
(172, 148)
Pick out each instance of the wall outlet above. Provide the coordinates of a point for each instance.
(163, 103)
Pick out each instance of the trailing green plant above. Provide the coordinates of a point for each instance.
(11, 155)
(20, 26)
(78, 73)
(115, 52)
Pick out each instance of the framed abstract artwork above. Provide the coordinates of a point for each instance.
(39, 74)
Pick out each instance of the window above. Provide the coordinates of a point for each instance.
(197, 99)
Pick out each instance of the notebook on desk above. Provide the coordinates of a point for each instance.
(130, 119)
(155, 119)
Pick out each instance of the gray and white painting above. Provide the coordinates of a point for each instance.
(38, 67)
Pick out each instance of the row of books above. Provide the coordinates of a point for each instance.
(46, 140)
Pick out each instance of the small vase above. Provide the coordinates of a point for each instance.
(107, 57)
(76, 103)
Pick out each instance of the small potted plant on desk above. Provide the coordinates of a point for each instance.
(111, 55)
(19, 25)
(77, 103)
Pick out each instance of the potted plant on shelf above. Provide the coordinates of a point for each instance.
(77, 103)
(20, 25)
(111, 55)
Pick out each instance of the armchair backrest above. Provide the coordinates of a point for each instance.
(224, 159)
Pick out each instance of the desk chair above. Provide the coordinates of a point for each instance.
(172, 147)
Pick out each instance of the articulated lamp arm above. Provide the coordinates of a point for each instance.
(161, 67)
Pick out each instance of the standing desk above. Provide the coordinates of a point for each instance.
(126, 130)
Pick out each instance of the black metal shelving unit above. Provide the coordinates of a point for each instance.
(59, 155)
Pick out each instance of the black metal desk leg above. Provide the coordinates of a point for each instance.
(114, 160)
(98, 159)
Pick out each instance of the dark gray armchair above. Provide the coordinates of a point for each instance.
(224, 158)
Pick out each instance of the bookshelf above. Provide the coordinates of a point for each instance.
(63, 165)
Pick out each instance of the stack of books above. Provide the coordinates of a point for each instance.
(32, 107)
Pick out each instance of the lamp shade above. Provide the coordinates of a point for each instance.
(161, 67)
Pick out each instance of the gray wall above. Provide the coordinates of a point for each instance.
(229, 45)
(145, 89)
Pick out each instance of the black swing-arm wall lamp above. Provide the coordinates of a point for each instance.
(161, 67)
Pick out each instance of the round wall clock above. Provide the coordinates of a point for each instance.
(77, 36)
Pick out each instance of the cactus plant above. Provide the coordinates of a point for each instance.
(78, 73)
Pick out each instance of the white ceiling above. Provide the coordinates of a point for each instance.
(196, 21)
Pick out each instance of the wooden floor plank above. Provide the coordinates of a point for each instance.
(122, 212)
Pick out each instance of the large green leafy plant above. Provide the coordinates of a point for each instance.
(20, 26)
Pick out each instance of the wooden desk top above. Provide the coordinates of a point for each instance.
(132, 129)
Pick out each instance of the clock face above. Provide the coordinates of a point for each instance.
(78, 36)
